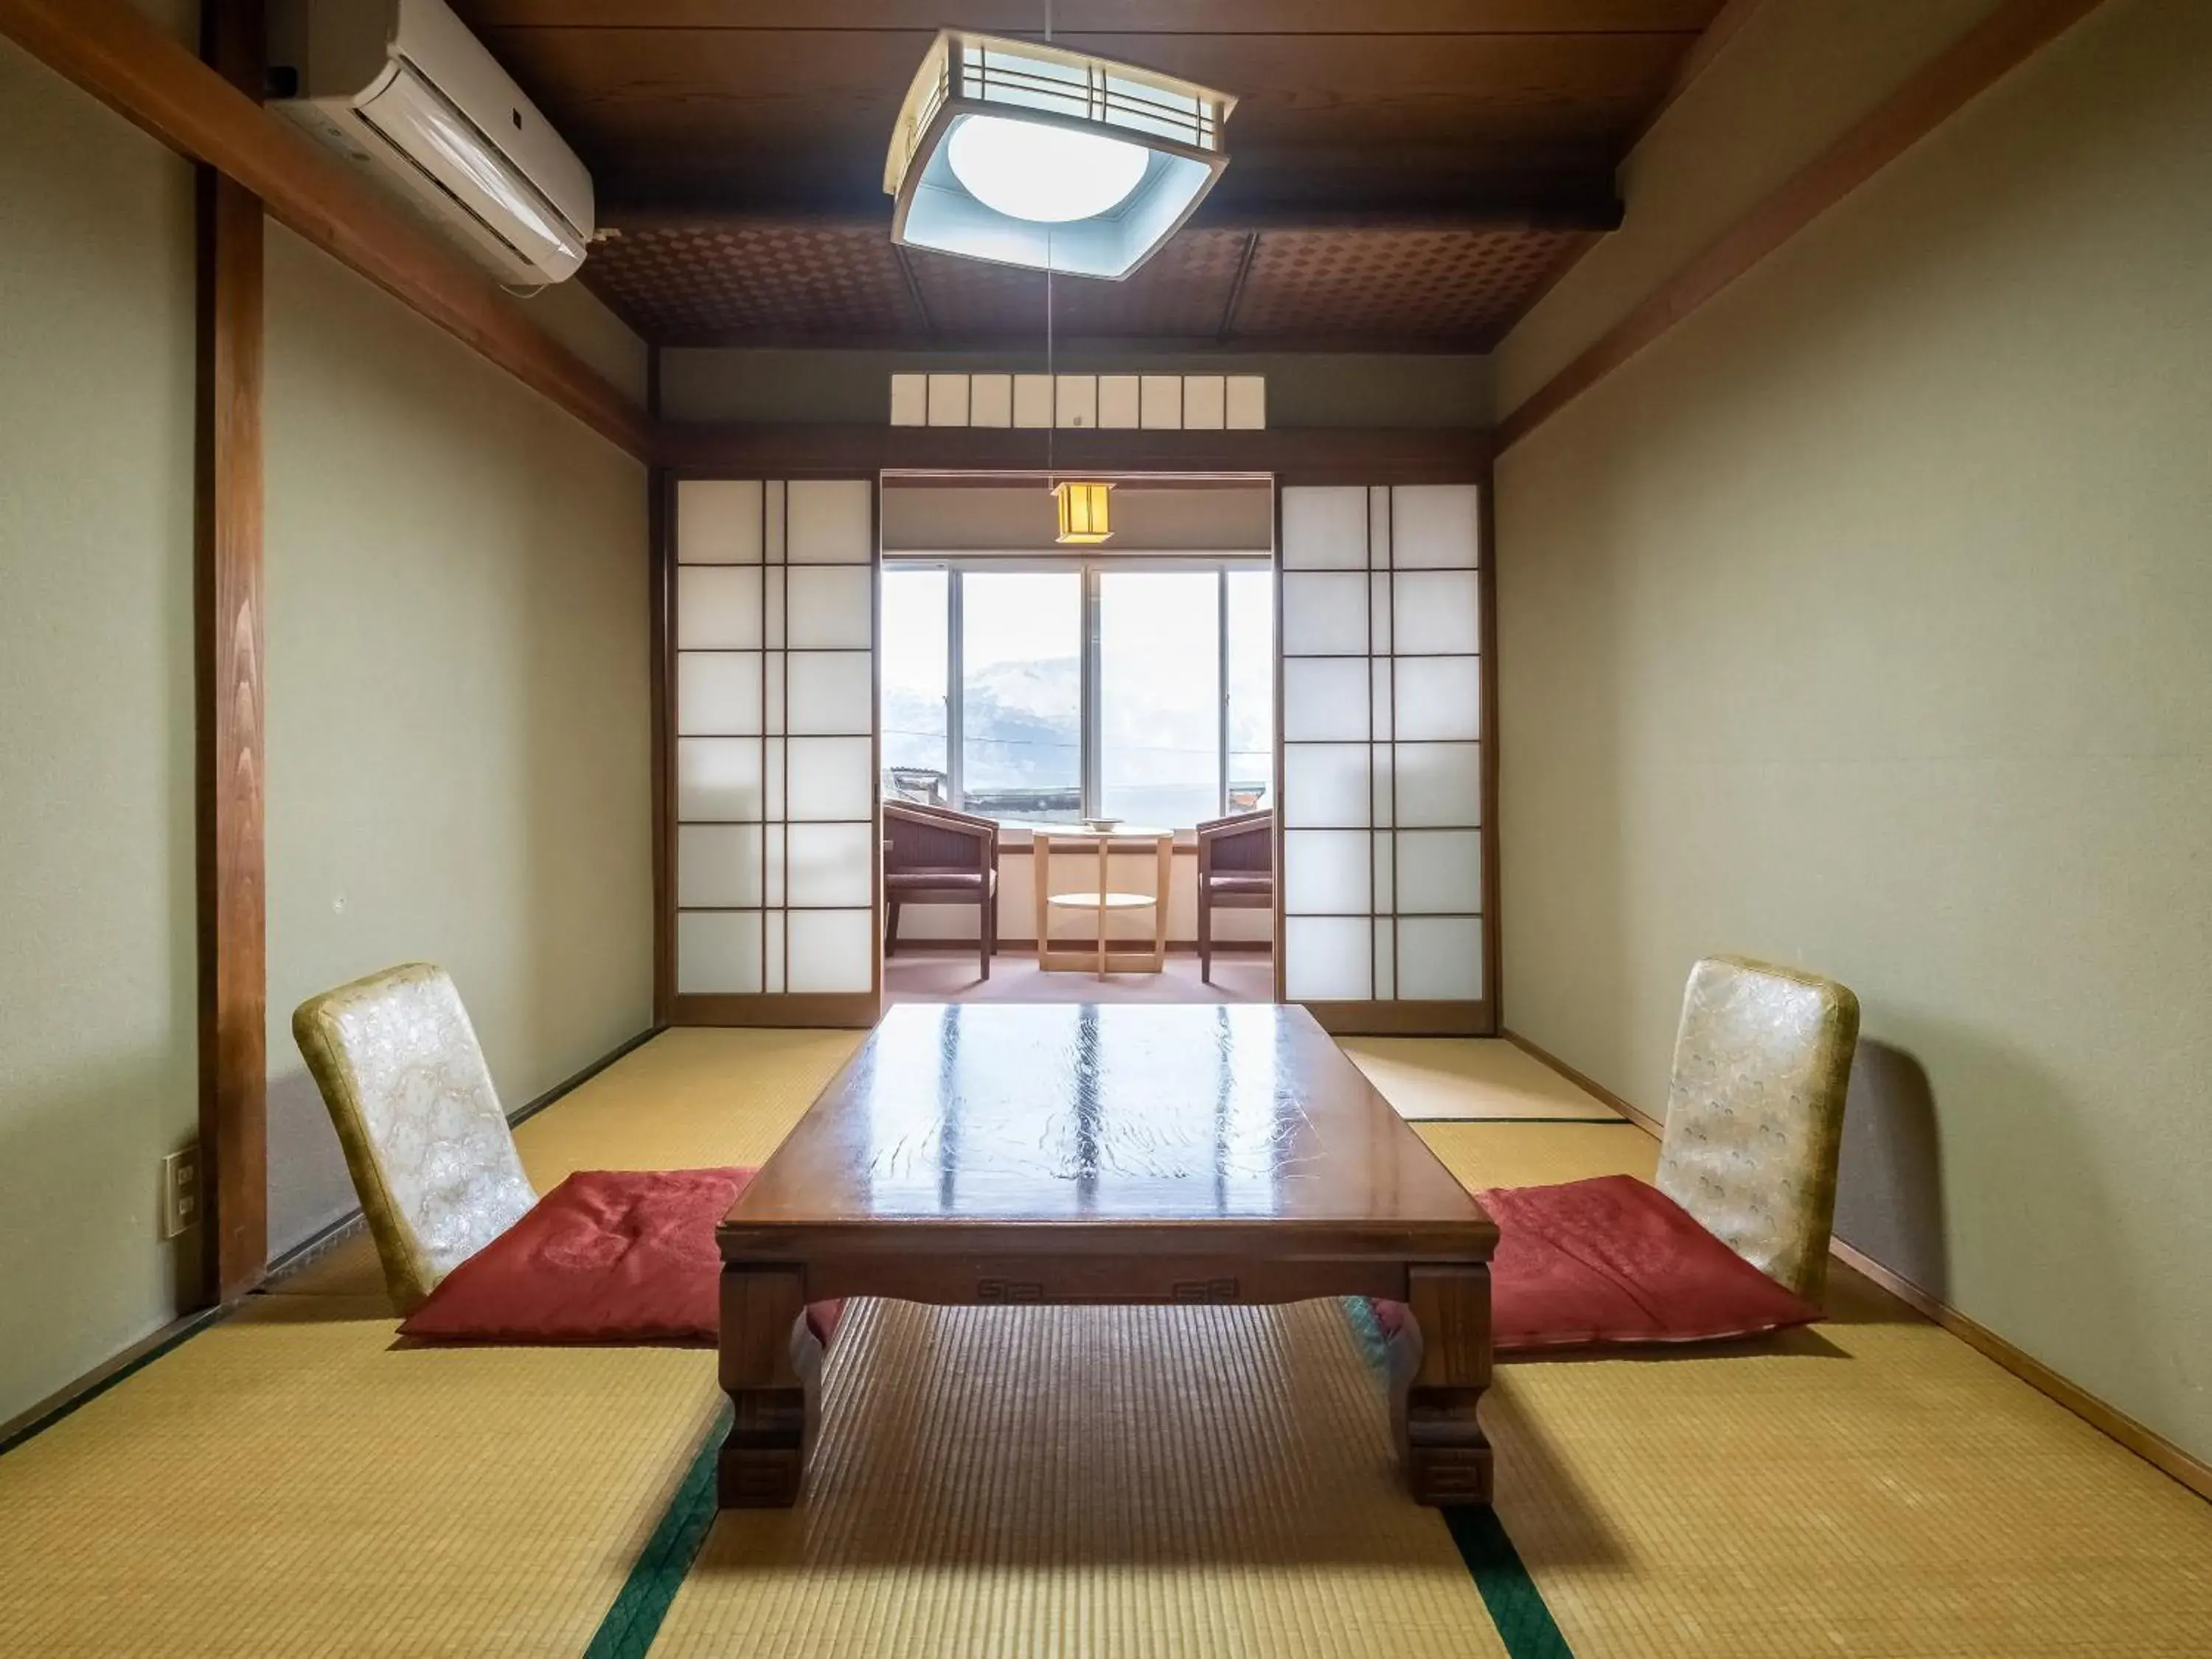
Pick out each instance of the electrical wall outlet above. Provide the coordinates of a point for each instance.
(180, 1191)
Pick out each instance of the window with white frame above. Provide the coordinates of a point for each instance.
(1053, 691)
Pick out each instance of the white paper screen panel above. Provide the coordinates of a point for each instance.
(718, 694)
(1325, 700)
(1435, 613)
(1438, 785)
(1381, 785)
(776, 789)
(830, 693)
(1325, 529)
(718, 608)
(1328, 785)
(719, 781)
(717, 521)
(1438, 699)
(1324, 613)
(1327, 958)
(718, 952)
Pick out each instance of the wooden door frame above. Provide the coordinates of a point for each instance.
(1373, 457)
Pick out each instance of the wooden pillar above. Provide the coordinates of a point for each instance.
(1486, 588)
(660, 615)
(228, 706)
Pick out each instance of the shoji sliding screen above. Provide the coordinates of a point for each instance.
(774, 774)
(1383, 874)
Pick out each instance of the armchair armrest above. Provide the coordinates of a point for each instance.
(939, 835)
(1243, 842)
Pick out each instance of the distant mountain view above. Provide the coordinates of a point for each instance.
(1024, 740)
(1025, 744)
(1023, 722)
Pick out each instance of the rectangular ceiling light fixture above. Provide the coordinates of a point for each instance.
(1023, 154)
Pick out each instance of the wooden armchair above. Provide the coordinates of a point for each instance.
(934, 855)
(1235, 872)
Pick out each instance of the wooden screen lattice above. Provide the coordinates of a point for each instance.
(775, 774)
(1381, 764)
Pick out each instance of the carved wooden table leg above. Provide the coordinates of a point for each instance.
(1446, 1453)
(763, 1462)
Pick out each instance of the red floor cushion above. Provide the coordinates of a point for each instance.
(1614, 1262)
(607, 1256)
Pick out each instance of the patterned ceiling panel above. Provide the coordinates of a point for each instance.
(1425, 287)
(680, 284)
(1181, 293)
(735, 281)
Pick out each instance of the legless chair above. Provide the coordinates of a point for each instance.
(426, 1142)
(1755, 1112)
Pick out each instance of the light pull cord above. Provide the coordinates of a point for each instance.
(1051, 373)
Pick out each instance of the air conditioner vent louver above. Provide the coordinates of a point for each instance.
(402, 86)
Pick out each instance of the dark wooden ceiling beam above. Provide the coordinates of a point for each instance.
(1018, 17)
(1296, 454)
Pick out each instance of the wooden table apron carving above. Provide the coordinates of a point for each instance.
(1034, 1153)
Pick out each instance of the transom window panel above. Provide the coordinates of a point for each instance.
(775, 767)
(1382, 772)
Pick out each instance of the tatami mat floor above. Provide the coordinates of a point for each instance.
(1210, 1482)
(1487, 1078)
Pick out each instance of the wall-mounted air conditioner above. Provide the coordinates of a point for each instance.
(403, 90)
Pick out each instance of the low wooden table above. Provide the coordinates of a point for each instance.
(1008, 1153)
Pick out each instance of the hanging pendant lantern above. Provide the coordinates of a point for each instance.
(1084, 518)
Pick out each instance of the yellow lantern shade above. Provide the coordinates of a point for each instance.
(1084, 521)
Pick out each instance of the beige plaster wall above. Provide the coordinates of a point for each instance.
(1861, 624)
(1793, 77)
(458, 729)
(98, 1073)
(457, 682)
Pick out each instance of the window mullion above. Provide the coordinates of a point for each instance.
(1093, 791)
(1221, 686)
(956, 701)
